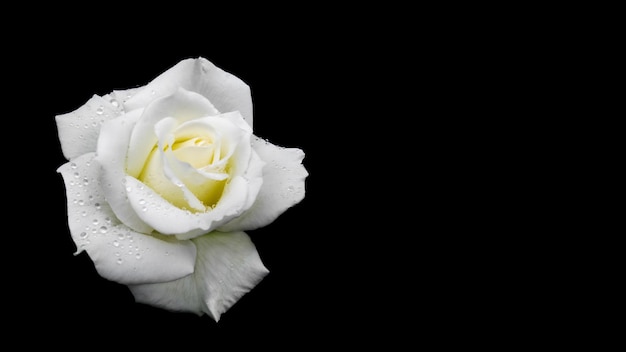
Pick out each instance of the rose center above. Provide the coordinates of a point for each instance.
(194, 164)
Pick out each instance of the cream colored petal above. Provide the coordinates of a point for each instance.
(182, 105)
(170, 220)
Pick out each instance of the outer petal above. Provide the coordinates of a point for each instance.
(78, 130)
(227, 267)
(118, 253)
(283, 186)
(225, 91)
(112, 147)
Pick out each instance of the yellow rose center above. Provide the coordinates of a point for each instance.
(198, 152)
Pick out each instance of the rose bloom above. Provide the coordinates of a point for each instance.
(163, 180)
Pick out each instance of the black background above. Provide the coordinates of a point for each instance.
(331, 277)
(394, 240)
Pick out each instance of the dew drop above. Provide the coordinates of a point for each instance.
(100, 110)
(117, 254)
(98, 206)
(114, 102)
(95, 221)
(290, 188)
(138, 255)
(119, 261)
(103, 229)
(83, 235)
(142, 201)
(107, 220)
(129, 188)
(85, 181)
(120, 236)
(144, 208)
(73, 165)
(116, 243)
(153, 92)
(81, 202)
(84, 213)
(167, 253)
(76, 175)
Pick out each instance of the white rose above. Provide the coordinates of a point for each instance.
(162, 181)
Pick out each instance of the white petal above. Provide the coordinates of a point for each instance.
(118, 253)
(283, 186)
(170, 220)
(224, 90)
(112, 147)
(78, 130)
(182, 105)
(227, 267)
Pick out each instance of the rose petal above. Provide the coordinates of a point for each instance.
(182, 105)
(78, 130)
(227, 267)
(118, 253)
(224, 90)
(283, 186)
(112, 146)
(170, 220)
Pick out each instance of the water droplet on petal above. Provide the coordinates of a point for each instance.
(83, 235)
(97, 205)
(103, 229)
(76, 175)
(142, 201)
(119, 261)
(116, 243)
(73, 165)
(81, 202)
(100, 110)
(95, 221)
(114, 102)
(138, 255)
